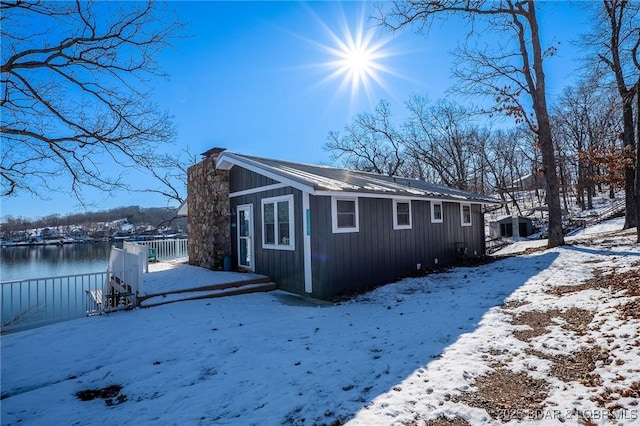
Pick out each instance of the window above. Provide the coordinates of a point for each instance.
(401, 214)
(436, 212)
(277, 220)
(344, 214)
(465, 210)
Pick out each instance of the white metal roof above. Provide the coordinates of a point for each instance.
(320, 180)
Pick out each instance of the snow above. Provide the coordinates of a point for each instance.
(608, 227)
(386, 357)
(178, 276)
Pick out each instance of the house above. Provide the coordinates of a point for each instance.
(532, 181)
(321, 231)
(511, 226)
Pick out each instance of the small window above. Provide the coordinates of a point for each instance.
(277, 222)
(401, 214)
(344, 212)
(465, 210)
(436, 212)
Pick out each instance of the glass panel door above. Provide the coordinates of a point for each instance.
(245, 237)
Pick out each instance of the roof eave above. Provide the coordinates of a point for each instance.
(227, 160)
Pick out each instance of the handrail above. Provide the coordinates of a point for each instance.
(616, 207)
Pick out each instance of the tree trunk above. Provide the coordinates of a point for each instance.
(638, 161)
(630, 219)
(556, 236)
(563, 183)
(591, 188)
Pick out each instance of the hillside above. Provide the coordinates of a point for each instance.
(537, 338)
(96, 224)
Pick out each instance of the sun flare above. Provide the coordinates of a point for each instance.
(355, 57)
(358, 64)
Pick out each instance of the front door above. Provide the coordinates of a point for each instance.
(245, 237)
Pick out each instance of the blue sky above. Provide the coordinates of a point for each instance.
(253, 77)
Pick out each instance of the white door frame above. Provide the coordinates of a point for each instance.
(248, 209)
(306, 242)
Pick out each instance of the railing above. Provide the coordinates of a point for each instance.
(31, 303)
(127, 266)
(141, 250)
(35, 302)
(125, 272)
(616, 207)
(169, 248)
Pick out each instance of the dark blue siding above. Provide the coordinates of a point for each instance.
(348, 262)
(242, 179)
(378, 254)
(285, 267)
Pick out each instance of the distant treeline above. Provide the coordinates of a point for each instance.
(154, 216)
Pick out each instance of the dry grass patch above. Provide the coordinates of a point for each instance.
(514, 304)
(443, 421)
(578, 366)
(506, 395)
(631, 309)
(575, 319)
(440, 421)
(538, 321)
(628, 281)
(609, 397)
(561, 290)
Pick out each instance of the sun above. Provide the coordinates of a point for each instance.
(355, 57)
(358, 64)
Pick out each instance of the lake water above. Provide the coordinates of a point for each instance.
(30, 295)
(29, 262)
(37, 301)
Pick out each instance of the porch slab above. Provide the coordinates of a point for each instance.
(179, 277)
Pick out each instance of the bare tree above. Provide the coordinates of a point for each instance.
(371, 143)
(585, 121)
(511, 72)
(617, 41)
(170, 173)
(506, 158)
(76, 80)
(443, 138)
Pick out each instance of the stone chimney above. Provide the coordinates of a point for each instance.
(209, 205)
(213, 152)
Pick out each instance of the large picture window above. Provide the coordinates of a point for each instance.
(401, 214)
(465, 211)
(277, 222)
(344, 214)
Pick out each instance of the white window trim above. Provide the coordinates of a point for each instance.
(334, 215)
(292, 239)
(433, 217)
(395, 214)
(462, 222)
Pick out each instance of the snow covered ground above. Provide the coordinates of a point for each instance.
(602, 229)
(407, 353)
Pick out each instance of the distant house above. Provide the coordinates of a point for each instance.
(322, 231)
(528, 182)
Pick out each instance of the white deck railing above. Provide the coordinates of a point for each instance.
(167, 249)
(34, 302)
(127, 266)
(124, 277)
(140, 250)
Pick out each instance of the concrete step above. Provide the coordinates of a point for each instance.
(209, 292)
